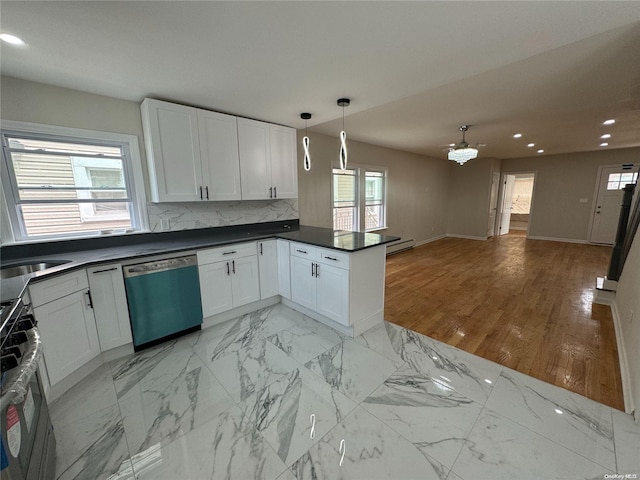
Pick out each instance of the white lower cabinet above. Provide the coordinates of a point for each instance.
(229, 277)
(319, 286)
(268, 266)
(68, 330)
(110, 305)
(284, 269)
(333, 293)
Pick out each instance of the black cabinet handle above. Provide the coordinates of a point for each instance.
(207, 190)
(233, 262)
(313, 273)
(317, 270)
(270, 192)
(228, 273)
(275, 192)
(88, 294)
(229, 253)
(200, 193)
(301, 251)
(331, 258)
(105, 270)
(260, 248)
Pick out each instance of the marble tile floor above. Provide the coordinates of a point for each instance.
(271, 395)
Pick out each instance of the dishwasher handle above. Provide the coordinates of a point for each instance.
(159, 266)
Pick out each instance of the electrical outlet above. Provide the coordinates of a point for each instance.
(584, 200)
(165, 224)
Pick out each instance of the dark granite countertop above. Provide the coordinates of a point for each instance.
(87, 252)
(336, 239)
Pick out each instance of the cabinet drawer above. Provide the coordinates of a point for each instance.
(304, 251)
(46, 291)
(332, 257)
(227, 252)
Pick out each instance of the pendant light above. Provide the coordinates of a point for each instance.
(343, 102)
(305, 142)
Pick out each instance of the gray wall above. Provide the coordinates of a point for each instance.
(561, 180)
(468, 197)
(417, 202)
(627, 310)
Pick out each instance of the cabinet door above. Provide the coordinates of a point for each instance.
(255, 164)
(284, 270)
(219, 155)
(245, 282)
(284, 161)
(215, 288)
(69, 336)
(110, 306)
(333, 293)
(173, 151)
(303, 283)
(268, 265)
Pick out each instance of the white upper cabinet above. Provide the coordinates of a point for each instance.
(219, 153)
(192, 153)
(255, 161)
(284, 161)
(173, 151)
(268, 160)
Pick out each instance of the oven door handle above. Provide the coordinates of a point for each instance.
(17, 381)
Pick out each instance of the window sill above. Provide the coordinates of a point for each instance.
(28, 241)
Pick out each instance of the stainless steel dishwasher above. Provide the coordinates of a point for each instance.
(164, 299)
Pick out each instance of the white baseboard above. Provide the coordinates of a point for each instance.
(468, 237)
(627, 392)
(239, 311)
(557, 239)
(429, 240)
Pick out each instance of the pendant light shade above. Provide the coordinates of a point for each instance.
(306, 142)
(343, 102)
(462, 152)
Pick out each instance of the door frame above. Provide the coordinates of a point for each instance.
(594, 198)
(501, 198)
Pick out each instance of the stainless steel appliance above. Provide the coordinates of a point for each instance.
(164, 299)
(28, 444)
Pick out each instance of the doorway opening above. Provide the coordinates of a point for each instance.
(515, 203)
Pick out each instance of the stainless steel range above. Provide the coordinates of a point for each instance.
(28, 444)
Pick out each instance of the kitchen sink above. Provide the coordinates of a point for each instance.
(10, 271)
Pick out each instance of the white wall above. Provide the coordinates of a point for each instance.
(417, 202)
(627, 310)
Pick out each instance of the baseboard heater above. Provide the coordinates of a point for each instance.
(400, 246)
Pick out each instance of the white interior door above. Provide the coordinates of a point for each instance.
(507, 203)
(493, 204)
(608, 201)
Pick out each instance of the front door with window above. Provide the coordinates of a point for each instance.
(608, 200)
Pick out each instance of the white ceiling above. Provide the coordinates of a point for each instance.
(415, 71)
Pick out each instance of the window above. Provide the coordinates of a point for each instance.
(58, 186)
(617, 181)
(359, 198)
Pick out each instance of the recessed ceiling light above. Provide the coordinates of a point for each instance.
(558, 411)
(517, 135)
(12, 39)
(606, 135)
(604, 144)
(541, 151)
(531, 145)
(611, 121)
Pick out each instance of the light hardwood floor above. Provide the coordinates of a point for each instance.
(525, 304)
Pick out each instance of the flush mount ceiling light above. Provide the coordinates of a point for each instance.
(462, 152)
(531, 145)
(12, 39)
(611, 121)
(606, 135)
(305, 142)
(343, 102)
(541, 151)
(517, 135)
(604, 144)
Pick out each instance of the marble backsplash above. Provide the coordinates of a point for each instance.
(188, 216)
